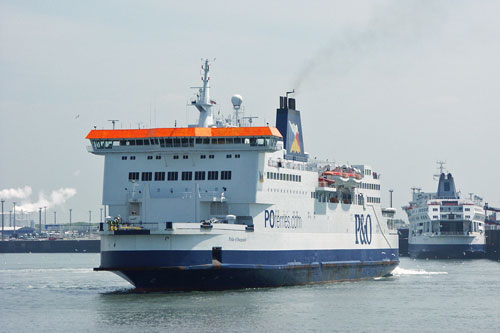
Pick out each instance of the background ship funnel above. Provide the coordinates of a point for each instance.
(446, 187)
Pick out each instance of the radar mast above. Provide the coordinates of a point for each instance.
(203, 102)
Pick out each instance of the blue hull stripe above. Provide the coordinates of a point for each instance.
(446, 250)
(222, 278)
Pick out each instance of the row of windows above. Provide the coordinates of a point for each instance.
(371, 186)
(277, 190)
(284, 176)
(185, 175)
(372, 200)
(184, 157)
(184, 142)
(450, 209)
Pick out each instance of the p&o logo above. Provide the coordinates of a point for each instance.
(363, 228)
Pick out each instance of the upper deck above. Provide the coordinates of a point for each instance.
(191, 138)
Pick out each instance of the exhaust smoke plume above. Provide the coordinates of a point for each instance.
(397, 25)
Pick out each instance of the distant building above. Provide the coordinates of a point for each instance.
(9, 231)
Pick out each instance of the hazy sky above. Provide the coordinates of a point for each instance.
(394, 84)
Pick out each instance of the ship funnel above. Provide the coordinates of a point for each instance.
(446, 187)
(289, 124)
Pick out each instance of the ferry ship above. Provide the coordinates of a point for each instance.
(219, 206)
(445, 226)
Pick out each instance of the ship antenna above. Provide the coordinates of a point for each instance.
(113, 121)
(415, 189)
(441, 169)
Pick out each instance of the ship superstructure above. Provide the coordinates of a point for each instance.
(443, 225)
(219, 206)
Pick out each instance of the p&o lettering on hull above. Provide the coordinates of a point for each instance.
(363, 228)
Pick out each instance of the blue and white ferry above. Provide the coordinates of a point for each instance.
(443, 225)
(219, 206)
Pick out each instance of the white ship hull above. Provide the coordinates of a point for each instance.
(225, 256)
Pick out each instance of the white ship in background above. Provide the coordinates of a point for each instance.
(443, 225)
(219, 206)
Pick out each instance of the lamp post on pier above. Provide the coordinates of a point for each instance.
(14, 233)
(40, 220)
(2, 218)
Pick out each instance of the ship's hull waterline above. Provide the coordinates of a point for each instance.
(249, 272)
(447, 251)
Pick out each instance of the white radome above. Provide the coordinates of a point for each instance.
(236, 100)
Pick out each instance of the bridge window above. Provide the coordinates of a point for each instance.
(158, 157)
(236, 155)
(132, 157)
(133, 176)
(176, 157)
(147, 176)
(124, 157)
(173, 175)
(169, 143)
(185, 157)
(229, 156)
(210, 156)
(150, 157)
(203, 157)
(213, 175)
(187, 175)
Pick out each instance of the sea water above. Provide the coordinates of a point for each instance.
(61, 292)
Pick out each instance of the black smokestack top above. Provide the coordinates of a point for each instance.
(283, 102)
(287, 103)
